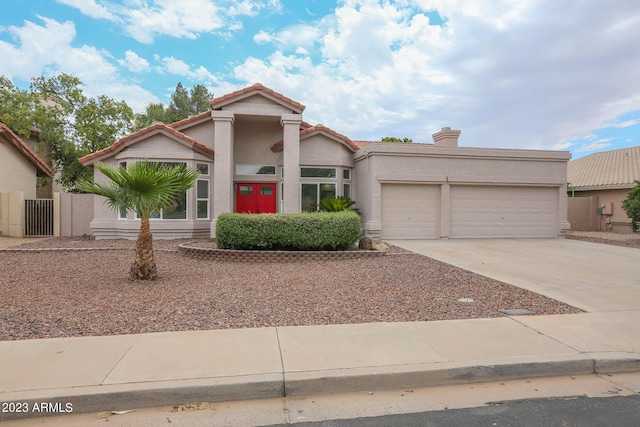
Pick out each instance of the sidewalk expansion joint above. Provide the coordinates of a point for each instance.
(115, 365)
(284, 385)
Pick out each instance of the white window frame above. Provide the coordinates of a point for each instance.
(275, 170)
(318, 184)
(202, 199)
(335, 172)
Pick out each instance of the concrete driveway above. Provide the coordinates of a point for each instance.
(590, 276)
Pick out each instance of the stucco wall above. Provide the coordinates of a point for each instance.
(377, 164)
(16, 172)
(76, 213)
(254, 138)
(618, 221)
(318, 150)
(201, 132)
(159, 147)
(257, 105)
(583, 213)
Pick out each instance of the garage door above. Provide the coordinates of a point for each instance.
(496, 211)
(410, 211)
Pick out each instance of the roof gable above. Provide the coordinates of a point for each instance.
(607, 169)
(259, 90)
(191, 121)
(323, 130)
(6, 134)
(141, 135)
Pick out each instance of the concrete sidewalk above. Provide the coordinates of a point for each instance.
(158, 369)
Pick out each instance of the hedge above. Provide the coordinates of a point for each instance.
(317, 231)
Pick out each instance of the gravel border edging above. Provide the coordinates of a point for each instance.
(234, 255)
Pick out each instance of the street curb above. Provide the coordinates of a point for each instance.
(300, 384)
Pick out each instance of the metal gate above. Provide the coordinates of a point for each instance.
(38, 217)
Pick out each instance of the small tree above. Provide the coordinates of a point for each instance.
(144, 187)
(395, 139)
(631, 206)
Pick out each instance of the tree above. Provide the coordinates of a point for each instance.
(154, 113)
(71, 124)
(395, 139)
(144, 188)
(183, 104)
(631, 206)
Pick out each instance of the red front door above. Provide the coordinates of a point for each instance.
(252, 197)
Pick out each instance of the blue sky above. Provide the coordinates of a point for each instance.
(538, 74)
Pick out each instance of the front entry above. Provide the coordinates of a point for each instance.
(252, 197)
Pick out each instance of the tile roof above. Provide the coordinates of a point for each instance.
(318, 129)
(362, 144)
(251, 90)
(608, 169)
(6, 134)
(189, 120)
(159, 127)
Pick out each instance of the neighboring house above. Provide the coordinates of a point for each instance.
(20, 166)
(256, 154)
(606, 178)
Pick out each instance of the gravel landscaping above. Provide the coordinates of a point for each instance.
(49, 294)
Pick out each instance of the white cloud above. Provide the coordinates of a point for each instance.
(90, 8)
(48, 50)
(49, 47)
(598, 144)
(626, 124)
(181, 68)
(134, 63)
(145, 20)
(525, 73)
(186, 18)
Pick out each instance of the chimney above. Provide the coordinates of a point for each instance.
(446, 137)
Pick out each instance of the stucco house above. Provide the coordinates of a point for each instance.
(257, 154)
(20, 166)
(606, 179)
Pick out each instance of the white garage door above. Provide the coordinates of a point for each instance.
(495, 211)
(410, 211)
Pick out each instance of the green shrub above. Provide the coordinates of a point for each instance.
(301, 231)
(631, 206)
(337, 204)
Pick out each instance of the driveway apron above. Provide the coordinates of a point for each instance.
(589, 276)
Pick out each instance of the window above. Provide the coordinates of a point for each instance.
(312, 193)
(346, 187)
(255, 170)
(202, 199)
(203, 168)
(178, 208)
(318, 172)
(266, 190)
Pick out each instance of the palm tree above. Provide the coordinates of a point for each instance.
(145, 188)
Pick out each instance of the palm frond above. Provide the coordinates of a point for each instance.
(144, 187)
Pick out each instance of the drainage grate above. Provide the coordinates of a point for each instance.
(517, 312)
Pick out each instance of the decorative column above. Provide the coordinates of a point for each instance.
(291, 161)
(223, 167)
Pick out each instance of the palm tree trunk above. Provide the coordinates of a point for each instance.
(144, 267)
